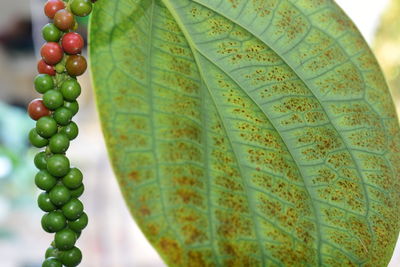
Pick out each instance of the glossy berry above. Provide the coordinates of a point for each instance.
(73, 179)
(37, 140)
(70, 89)
(52, 6)
(58, 165)
(46, 127)
(73, 209)
(81, 8)
(44, 68)
(55, 221)
(36, 109)
(51, 33)
(71, 257)
(43, 222)
(44, 180)
(40, 160)
(72, 43)
(71, 130)
(51, 53)
(59, 195)
(59, 143)
(43, 83)
(52, 252)
(45, 203)
(65, 239)
(77, 192)
(64, 20)
(62, 116)
(53, 99)
(73, 106)
(79, 224)
(51, 262)
(76, 65)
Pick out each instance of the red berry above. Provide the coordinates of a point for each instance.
(37, 109)
(76, 65)
(64, 20)
(52, 6)
(72, 43)
(52, 53)
(44, 68)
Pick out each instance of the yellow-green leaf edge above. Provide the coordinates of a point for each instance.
(248, 132)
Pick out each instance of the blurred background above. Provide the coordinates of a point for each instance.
(112, 238)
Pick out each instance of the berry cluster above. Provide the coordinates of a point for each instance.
(62, 184)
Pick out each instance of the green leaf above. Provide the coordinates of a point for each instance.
(248, 132)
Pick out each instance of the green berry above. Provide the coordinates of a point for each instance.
(72, 257)
(59, 195)
(60, 67)
(65, 239)
(71, 130)
(58, 165)
(52, 252)
(73, 106)
(53, 99)
(44, 180)
(55, 221)
(73, 179)
(81, 8)
(45, 203)
(36, 140)
(62, 116)
(70, 89)
(59, 143)
(46, 127)
(43, 222)
(79, 224)
(51, 33)
(73, 209)
(77, 192)
(40, 160)
(51, 262)
(43, 83)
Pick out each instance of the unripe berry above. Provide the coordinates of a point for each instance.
(71, 257)
(70, 89)
(65, 239)
(81, 8)
(51, 33)
(43, 83)
(51, 262)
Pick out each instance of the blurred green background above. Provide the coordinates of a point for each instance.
(112, 238)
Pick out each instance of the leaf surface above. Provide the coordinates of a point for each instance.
(248, 132)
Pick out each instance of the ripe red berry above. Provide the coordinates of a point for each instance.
(64, 20)
(72, 43)
(52, 53)
(76, 65)
(52, 6)
(44, 68)
(37, 109)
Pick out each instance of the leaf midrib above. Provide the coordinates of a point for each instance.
(195, 49)
(362, 182)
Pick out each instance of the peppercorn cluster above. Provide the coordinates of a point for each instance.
(61, 183)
